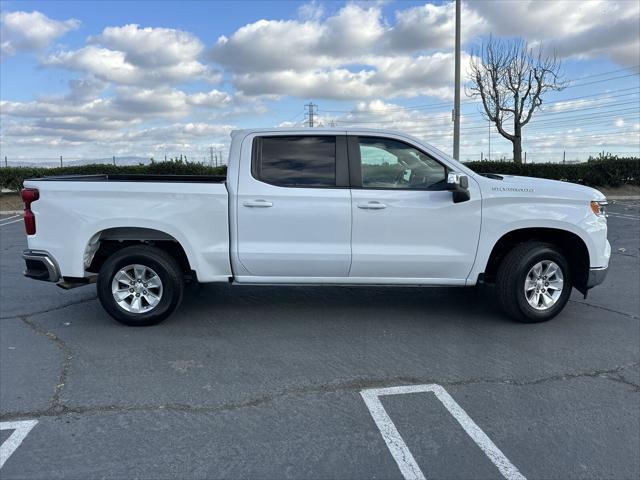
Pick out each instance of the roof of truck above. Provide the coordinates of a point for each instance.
(314, 130)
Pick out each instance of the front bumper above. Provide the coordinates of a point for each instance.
(596, 276)
(40, 265)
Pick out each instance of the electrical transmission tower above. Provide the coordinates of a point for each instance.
(312, 110)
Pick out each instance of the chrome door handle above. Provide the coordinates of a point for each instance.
(258, 204)
(372, 206)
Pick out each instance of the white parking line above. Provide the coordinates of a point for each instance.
(9, 223)
(623, 215)
(22, 429)
(398, 448)
(9, 218)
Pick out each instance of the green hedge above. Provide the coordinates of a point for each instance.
(12, 177)
(596, 173)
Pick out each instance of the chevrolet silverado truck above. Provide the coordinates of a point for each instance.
(317, 207)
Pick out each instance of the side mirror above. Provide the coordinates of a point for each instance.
(458, 183)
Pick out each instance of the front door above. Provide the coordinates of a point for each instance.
(405, 225)
(294, 208)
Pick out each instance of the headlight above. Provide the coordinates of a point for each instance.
(599, 208)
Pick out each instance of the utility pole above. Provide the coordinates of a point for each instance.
(60, 160)
(114, 160)
(210, 156)
(5, 162)
(564, 157)
(456, 101)
(312, 110)
(525, 157)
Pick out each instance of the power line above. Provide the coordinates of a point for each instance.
(603, 80)
(301, 112)
(448, 103)
(544, 120)
(608, 73)
(544, 111)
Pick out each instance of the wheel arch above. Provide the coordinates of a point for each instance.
(571, 245)
(109, 240)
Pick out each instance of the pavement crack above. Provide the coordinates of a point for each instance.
(610, 374)
(55, 404)
(59, 409)
(593, 305)
(49, 310)
(624, 254)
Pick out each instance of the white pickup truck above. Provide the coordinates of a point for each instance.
(319, 207)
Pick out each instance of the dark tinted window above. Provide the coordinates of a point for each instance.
(388, 163)
(300, 161)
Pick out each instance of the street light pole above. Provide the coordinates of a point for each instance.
(456, 101)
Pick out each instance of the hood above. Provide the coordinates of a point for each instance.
(545, 188)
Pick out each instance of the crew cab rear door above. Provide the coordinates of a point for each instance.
(406, 227)
(294, 208)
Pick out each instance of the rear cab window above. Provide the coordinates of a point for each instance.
(307, 161)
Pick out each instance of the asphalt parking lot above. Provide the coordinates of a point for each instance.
(265, 382)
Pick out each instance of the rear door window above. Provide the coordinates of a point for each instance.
(296, 161)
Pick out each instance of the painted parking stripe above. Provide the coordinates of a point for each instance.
(398, 448)
(21, 430)
(9, 223)
(623, 215)
(6, 219)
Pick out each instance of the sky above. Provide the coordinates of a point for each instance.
(166, 78)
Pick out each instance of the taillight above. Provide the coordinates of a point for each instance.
(29, 195)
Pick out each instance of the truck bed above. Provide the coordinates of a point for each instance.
(75, 211)
(120, 177)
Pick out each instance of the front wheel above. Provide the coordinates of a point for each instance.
(534, 282)
(140, 285)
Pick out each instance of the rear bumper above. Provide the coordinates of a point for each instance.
(596, 276)
(40, 265)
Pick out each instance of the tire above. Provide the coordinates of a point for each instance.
(513, 274)
(162, 293)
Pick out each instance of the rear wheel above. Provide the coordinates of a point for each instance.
(533, 283)
(140, 285)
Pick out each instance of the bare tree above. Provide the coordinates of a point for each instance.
(510, 79)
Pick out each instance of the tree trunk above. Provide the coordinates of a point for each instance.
(517, 144)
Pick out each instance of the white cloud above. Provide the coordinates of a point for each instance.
(270, 46)
(352, 54)
(432, 26)
(211, 99)
(31, 31)
(150, 47)
(311, 11)
(357, 53)
(80, 119)
(590, 29)
(434, 127)
(131, 55)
